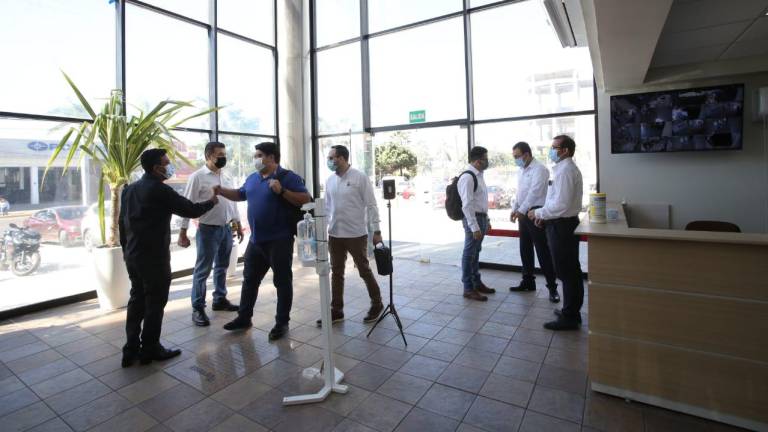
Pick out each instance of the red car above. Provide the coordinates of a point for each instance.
(58, 224)
(408, 192)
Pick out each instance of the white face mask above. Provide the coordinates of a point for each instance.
(259, 164)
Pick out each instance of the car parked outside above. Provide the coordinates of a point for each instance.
(91, 234)
(498, 198)
(58, 224)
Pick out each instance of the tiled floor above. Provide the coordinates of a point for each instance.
(468, 366)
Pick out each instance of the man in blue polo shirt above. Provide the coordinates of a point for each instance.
(270, 192)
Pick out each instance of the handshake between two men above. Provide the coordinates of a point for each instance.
(183, 239)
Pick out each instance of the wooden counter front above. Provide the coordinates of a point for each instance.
(679, 319)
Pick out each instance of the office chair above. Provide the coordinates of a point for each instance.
(704, 225)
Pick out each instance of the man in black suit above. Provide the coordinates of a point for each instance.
(145, 236)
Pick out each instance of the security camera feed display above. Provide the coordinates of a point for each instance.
(678, 120)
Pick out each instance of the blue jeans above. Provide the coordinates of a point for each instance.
(214, 244)
(470, 257)
(258, 259)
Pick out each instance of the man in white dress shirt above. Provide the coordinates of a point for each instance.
(352, 208)
(214, 235)
(560, 216)
(531, 194)
(474, 205)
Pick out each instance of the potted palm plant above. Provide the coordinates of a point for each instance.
(114, 143)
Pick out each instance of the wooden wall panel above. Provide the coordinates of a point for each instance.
(732, 270)
(714, 324)
(717, 383)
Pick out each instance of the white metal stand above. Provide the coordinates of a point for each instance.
(331, 375)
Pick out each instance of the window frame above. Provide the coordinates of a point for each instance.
(468, 122)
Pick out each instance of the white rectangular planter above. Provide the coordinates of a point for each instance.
(232, 269)
(112, 284)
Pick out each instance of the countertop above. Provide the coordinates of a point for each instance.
(620, 228)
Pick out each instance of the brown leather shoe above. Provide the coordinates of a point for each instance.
(483, 289)
(373, 313)
(474, 295)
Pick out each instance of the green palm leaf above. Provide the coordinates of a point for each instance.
(115, 144)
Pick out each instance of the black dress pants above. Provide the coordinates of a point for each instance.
(532, 236)
(150, 283)
(564, 245)
(258, 259)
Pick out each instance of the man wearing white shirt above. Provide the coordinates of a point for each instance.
(560, 216)
(351, 206)
(214, 235)
(474, 206)
(531, 194)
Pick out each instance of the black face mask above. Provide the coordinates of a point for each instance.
(220, 162)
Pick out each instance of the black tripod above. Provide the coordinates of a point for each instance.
(390, 309)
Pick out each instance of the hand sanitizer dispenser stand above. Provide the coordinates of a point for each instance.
(331, 375)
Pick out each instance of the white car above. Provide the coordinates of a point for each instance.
(89, 227)
(91, 235)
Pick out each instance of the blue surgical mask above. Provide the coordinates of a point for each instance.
(553, 156)
(331, 164)
(520, 162)
(170, 171)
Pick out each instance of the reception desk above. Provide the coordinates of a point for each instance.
(679, 319)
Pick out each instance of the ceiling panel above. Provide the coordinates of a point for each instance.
(693, 55)
(716, 35)
(758, 30)
(707, 13)
(749, 48)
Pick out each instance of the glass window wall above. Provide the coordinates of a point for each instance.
(166, 57)
(418, 77)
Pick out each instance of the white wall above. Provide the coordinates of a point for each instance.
(719, 185)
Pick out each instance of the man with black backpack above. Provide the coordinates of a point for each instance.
(471, 188)
(274, 194)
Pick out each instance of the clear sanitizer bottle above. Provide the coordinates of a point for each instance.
(307, 243)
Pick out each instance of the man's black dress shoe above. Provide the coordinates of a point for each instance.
(278, 331)
(525, 285)
(159, 353)
(238, 324)
(225, 305)
(129, 357)
(554, 297)
(562, 324)
(199, 318)
(559, 313)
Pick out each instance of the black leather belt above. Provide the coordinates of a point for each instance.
(213, 226)
(563, 219)
(481, 214)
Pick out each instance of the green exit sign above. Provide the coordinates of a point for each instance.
(417, 116)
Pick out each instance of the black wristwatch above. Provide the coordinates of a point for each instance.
(282, 191)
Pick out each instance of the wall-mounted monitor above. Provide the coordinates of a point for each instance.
(707, 118)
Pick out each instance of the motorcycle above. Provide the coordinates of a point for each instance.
(20, 250)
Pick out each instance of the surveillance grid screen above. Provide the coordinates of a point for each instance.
(678, 120)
